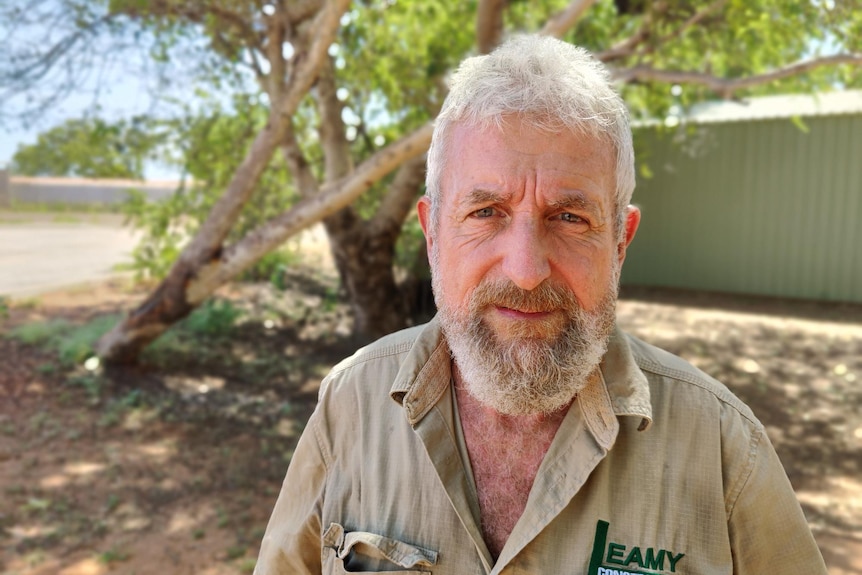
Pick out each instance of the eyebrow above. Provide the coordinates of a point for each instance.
(574, 199)
(484, 196)
(569, 199)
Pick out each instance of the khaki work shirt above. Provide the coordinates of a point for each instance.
(657, 468)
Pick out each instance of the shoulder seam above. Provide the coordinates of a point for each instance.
(735, 493)
(372, 354)
(662, 370)
(324, 453)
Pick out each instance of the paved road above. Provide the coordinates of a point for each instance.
(38, 255)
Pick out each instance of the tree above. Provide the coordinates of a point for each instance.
(207, 144)
(89, 148)
(363, 243)
(350, 95)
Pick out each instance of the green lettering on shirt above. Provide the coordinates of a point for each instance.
(615, 553)
(653, 561)
(673, 559)
(598, 547)
(635, 557)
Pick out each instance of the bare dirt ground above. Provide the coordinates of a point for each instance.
(173, 466)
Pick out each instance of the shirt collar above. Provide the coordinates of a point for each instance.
(622, 388)
(627, 385)
(425, 373)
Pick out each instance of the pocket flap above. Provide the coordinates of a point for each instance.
(379, 547)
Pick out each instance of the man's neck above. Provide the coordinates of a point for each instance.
(505, 454)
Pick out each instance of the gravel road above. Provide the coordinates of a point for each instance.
(44, 252)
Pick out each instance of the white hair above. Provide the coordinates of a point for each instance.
(548, 84)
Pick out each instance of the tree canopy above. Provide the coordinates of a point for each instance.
(90, 148)
(345, 93)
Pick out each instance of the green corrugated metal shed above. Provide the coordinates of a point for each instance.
(750, 203)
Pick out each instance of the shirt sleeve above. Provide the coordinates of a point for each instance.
(292, 542)
(768, 531)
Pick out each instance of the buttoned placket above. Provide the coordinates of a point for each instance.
(422, 395)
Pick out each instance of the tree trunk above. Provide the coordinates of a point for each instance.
(364, 257)
(364, 253)
(191, 281)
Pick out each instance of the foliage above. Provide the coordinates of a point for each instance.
(79, 343)
(113, 555)
(274, 266)
(90, 148)
(40, 333)
(72, 344)
(162, 240)
(214, 322)
(215, 318)
(753, 38)
(385, 97)
(410, 250)
(208, 146)
(421, 41)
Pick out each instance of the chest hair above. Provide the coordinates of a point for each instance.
(505, 454)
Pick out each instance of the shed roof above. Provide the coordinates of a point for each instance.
(773, 107)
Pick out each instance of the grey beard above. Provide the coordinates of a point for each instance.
(527, 375)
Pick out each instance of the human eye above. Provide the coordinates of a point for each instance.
(482, 213)
(571, 218)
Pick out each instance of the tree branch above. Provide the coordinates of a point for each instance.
(565, 19)
(333, 197)
(299, 10)
(275, 34)
(225, 212)
(194, 12)
(308, 62)
(628, 47)
(303, 178)
(337, 160)
(35, 71)
(336, 148)
(693, 20)
(725, 87)
(399, 200)
(489, 24)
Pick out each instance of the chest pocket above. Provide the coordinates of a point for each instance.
(363, 552)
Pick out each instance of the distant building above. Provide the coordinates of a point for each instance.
(760, 197)
(39, 190)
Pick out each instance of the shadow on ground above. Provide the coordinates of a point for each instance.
(798, 365)
(173, 465)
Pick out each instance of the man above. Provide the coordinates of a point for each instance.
(519, 431)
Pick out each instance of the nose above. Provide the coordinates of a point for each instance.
(525, 257)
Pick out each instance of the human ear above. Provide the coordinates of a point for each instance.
(633, 220)
(423, 210)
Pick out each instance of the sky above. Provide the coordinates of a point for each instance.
(113, 83)
(121, 94)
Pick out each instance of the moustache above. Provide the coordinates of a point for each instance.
(545, 297)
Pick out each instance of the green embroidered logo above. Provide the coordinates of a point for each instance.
(617, 559)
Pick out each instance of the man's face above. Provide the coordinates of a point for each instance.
(525, 261)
